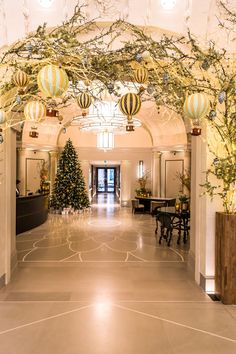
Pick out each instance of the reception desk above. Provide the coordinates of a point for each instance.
(31, 211)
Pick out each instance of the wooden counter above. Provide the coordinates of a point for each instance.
(31, 211)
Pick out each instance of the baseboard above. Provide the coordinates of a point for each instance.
(191, 264)
(14, 262)
(207, 283)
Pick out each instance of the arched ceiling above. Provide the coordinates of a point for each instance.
(160, 129)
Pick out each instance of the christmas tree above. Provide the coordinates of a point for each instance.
(69, 189)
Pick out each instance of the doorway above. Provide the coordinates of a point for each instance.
(106, 180)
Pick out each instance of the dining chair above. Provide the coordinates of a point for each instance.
(136, 206)
(154, 205)
(166, 227)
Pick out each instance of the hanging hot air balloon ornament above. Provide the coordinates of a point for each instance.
(33, 132)
(196, 106)
(52, 112)
(20, 79)
(141, 75)
(84, 101)
(129, 127)
(2, 117)
(34, 111)
(130, 104)
(52, 81)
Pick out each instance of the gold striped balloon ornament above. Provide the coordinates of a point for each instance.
(2, 117)
(196, 106)
(20, 78)
(141, 75)
(84, 101)
(52, 81)
(34, 111)
(130, 104)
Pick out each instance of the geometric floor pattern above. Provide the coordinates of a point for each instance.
(94, 237)
(98, 283)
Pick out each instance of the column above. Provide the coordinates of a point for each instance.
(202, 232)
(2, 213)
(156, 173)
(21, 168)
(8, 259)
(187, 167)
(53, 156)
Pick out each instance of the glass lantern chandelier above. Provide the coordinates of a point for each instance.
(105, 140)
(104, 116)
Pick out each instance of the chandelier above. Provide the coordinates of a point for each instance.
(104, 116)
(105, 140)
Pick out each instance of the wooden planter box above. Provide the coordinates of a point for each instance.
(226, 257)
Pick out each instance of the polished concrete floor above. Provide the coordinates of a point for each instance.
(98, 283)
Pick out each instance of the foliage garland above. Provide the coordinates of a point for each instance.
(177, 66)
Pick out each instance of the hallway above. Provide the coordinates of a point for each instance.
(97, 282)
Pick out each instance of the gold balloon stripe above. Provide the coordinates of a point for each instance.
(141, 75)
(130, 104)
(20, 78)
(2, 117)
(52, 81)
(34, 111)
(196, 105)
(84, 100)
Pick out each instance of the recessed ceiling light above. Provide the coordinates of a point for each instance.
(46, 3)
(168, 4)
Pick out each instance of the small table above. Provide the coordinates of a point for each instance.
(179, 219)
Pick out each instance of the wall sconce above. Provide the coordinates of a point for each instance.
(140, 169)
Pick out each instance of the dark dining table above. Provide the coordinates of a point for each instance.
(146, 201)
(179, 219)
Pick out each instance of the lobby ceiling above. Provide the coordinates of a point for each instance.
(17, 18)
